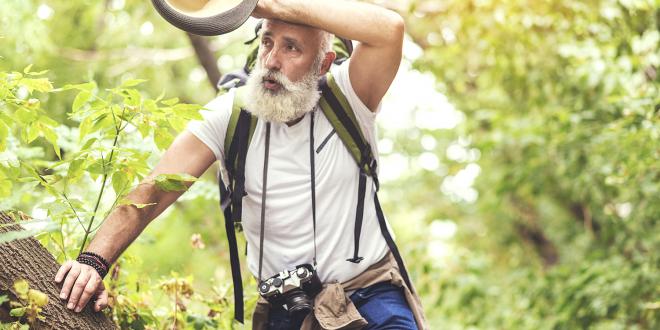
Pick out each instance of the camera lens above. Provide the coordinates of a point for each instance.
(298, 303)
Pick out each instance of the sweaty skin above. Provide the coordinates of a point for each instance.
(290, 45)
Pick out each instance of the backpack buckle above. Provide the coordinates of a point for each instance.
(355, 260)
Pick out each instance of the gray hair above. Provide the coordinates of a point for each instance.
(327, 39)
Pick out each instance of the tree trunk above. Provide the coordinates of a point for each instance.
(206, 58)
(28, 259)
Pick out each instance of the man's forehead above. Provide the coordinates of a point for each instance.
(297, 31)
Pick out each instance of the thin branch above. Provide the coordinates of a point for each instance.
(74, 210)
(98, 200)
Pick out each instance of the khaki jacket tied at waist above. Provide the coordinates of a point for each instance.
(333, 309)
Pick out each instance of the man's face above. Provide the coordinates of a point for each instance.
(290, 49)
(283, 85)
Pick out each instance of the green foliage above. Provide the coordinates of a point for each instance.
(562, 124)
(28, 306)
(562, 103)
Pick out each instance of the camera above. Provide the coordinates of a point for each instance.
(293, 289)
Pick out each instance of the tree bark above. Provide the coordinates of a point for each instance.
(28, 259)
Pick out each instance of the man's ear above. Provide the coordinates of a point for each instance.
(327, 62)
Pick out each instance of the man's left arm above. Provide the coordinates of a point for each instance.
(378, 31)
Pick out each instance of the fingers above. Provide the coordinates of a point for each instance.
(63, 270)
(101, 300)
(90, 290)
(71, 277)
(78, 287)
(81, 283)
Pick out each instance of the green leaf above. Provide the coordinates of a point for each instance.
(144, 129)
(163, 138)
(48, 121)
(132, 82)
(75, 169)
(25, 116)
(139, 206)
(32, 132)
(21, 287)
(88, 144)
(80, 100)
(178, 124)
(85, 128)
(27, 69)
(97, 167)
(173, 182)
(50, 135)
(188, 111)
(18, 312)
(3, 299)
(102, 122)
(119, 182)
(171, 101)
(131, 97)
(40, 84)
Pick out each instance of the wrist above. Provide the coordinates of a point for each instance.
(100, 264)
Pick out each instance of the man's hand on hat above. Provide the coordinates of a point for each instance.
(264, 9)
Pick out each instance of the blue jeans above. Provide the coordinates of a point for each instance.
(383, 305)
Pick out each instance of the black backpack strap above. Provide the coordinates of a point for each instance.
(225, 205)
(240, 145)
(239, 134)
(391, 244)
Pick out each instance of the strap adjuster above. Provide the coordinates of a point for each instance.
(355, 260)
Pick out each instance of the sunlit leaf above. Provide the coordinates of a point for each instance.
(173, 182)
(80, 100)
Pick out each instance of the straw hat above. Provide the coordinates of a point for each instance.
(204, 17)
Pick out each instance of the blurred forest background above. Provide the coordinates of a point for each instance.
(520, 155)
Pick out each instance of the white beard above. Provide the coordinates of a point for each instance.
(290, 102)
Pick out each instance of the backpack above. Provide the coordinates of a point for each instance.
(240, 130)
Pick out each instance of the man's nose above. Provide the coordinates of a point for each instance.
(272, 61)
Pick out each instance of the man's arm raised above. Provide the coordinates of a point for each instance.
(378, 31)
(187, 154)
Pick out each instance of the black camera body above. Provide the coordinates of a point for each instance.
(293, 289)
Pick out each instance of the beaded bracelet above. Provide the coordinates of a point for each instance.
(98, 257)
(96, 261)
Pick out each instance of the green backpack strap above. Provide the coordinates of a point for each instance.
(231, 144)
(338, 110)
(239, 134)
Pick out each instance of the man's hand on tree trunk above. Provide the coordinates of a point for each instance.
(81, 283)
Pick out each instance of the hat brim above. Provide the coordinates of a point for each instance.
(212, 25)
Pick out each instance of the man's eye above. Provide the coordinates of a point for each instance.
(292, 48)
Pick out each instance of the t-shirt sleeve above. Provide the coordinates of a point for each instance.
(212, 129)
(366, 119)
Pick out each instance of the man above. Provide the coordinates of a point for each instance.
(294, 52)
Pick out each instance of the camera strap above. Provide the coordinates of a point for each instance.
(263, 200)
(265, 186)
(313, 179)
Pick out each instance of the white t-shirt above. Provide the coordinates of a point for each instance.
(288, 224)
